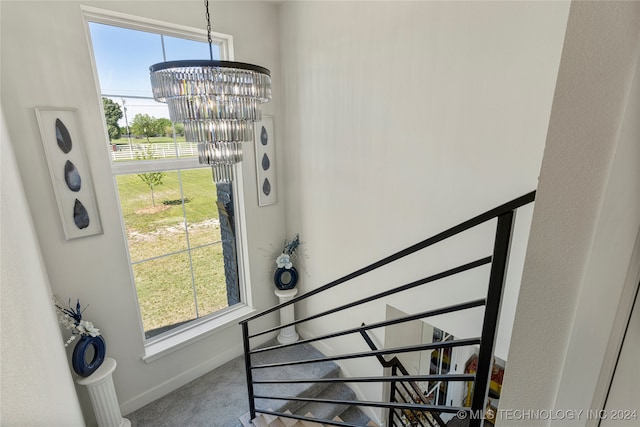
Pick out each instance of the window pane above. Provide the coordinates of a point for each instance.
(159, 143)
(182, 268)
(165, 263)
(137, 144)
(123, 57)
(201, 210)
(153, 219)
(210, 282)
(165, 293)
(178, 49)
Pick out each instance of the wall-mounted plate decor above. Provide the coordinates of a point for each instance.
(264, 142)
(69, 169)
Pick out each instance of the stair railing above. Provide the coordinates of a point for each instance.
(486, 342)
(406, 391)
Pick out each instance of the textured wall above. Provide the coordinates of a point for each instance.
(51, 66)
(36, 377)
(404, 118)
(586, 216)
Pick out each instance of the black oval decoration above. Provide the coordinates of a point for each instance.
(80, 215)
(86, 343)
(266, 187)
(264, 136)
(63, 137)
(72, 176)
(286, 278)
(265, 162)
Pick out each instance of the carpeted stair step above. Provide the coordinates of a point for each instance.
(320, 411)
(354, 415)
(327, 411)
(307, 370)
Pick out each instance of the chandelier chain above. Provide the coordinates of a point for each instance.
(206, 6)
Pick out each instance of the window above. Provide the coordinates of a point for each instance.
(180, 226)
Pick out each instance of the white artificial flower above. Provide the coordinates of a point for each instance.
(284, 261)
(87, 328)
(68, 317)
(66, 321)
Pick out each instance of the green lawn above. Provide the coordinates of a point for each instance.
(164, 284)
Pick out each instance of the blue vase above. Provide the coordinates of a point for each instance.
(285, 278)
(79, 361)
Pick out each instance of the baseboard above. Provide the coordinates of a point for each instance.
(179, 380)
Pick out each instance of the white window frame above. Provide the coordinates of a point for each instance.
(195, 330)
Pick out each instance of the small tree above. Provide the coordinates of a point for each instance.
(112, 114)
(164, 126)
(179, 127)
(144, 125)
(152, 179)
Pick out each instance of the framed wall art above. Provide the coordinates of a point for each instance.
(264, 142)
(69, 169)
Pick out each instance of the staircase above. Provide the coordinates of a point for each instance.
(315, 390)
(277, 382)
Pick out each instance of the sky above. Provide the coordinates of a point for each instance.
(123, 57)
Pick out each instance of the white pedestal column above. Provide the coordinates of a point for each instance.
(287, 315)
(103, 395)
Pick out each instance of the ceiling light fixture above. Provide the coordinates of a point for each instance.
(217, 101)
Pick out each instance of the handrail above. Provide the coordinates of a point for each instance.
(400, 378)
(373, 404)
(450, 272)
(422, 315)
(376, 379)
(407, 349)
(457, 229)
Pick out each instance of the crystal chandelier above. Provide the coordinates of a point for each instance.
(217, 101)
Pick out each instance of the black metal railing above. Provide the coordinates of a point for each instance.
(405, 400)
(408, 391)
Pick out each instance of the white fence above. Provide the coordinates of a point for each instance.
(160, 150)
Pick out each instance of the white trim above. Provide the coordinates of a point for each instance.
(142, 166)
(194, 331)
(623, 313)
(198, 329)
(119, 19)
(242, 242)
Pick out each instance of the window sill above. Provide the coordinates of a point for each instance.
(160, 347)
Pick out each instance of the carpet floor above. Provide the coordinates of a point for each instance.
(216, 399)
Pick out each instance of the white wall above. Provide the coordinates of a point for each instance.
(36, 382)
(46, 62)
(624, 385)
(610, 256)
(586, 217)
(404, 118)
